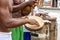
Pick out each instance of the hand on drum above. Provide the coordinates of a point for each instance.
(33, 22)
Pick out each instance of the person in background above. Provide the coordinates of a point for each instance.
(19, 30)
(17, 33)
(37, 11)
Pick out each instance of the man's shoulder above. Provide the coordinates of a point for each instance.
(3, 3)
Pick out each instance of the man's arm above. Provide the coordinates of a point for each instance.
(22, 5)
(19, 6)
(6, 19)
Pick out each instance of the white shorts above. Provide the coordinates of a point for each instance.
(5, 36)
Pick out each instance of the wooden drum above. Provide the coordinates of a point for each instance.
(34, 27)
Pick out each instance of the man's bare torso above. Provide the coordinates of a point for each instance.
(2, 27)
(6, 19)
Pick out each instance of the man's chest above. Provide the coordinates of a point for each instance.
(10, 4)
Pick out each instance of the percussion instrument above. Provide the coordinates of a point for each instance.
(35, 27)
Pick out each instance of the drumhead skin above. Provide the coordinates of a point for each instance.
(34, 27)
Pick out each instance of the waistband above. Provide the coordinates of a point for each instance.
(5, 32)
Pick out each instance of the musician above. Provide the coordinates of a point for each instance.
(16, 31)
(7, 21)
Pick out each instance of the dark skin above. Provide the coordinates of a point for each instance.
(25, 11)
(22, 5)
(6, 19)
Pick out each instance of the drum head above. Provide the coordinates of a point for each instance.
(34, 27)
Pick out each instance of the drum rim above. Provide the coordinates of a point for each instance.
(33, 29)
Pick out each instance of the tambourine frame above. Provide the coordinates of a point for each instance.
(33, 29)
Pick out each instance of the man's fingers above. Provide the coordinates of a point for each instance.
(37, 24)
(24, 17)
(35, 2)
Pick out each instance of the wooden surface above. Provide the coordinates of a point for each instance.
(53, 31)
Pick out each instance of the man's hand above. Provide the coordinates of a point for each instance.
(31, 2)
(33, 22)
(24, 17)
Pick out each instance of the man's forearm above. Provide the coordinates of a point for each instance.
(19, 7)
(14, 22)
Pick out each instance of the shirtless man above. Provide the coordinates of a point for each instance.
(17, 33)
(7, 21)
